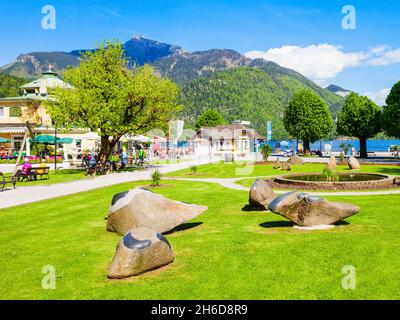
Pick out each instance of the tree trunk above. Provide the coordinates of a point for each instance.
(306, 147)
(363, 147)
(107, 147)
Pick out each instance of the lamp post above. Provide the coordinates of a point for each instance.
(55, 149)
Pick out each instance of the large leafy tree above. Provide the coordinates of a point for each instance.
(112, 100)
(307, 118)
(361, 118)
(391, 112)
(210, 118)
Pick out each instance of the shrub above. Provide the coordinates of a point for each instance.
(193, 170)
(330, 175)
(156, 178)
(266, 151)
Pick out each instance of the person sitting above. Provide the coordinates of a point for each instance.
(42, 165)
(92, 161)
(114, 159)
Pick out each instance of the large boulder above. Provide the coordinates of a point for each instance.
(140, 250)
(143, 208)
(295, 160)
(354, 164)
(261, 194)
(305, 210)
(331, 165)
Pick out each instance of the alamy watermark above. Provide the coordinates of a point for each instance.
(349, 21)
(49, 21)
(49, 280)
(349, 281)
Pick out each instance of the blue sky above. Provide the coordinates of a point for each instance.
(305, 35)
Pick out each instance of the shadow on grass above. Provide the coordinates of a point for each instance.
(341, 223)
(249, 208)
(185, 226)
(277, 224)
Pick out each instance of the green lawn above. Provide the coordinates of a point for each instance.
(66, 175)
(228, 254)
(235, 170)
(58, 176)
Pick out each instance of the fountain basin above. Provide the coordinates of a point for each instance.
(345, 181)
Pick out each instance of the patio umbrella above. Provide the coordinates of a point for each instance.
(3, 140)
(44, 139)
(65, 140)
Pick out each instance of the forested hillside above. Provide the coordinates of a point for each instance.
(9, 85)
(246, 93)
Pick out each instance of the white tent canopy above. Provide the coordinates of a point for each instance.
(89, 136)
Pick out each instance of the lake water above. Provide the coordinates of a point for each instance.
(372, 145)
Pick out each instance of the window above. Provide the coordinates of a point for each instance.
(1, 112)
(17, 142)
(15, 112)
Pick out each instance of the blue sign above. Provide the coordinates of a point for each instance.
(269, 130)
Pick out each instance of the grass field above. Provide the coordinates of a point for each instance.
(234, 170)
(226, 253)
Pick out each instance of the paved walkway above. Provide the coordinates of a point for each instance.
(24, 195)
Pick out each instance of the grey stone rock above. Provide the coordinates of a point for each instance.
(140, 250)
(354, 164)
(305, 210)
(331, 165)
(295, 160)
(261, 194)
(143, 208)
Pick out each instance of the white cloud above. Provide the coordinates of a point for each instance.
(385, 57)
(325, 61)
(379, 97)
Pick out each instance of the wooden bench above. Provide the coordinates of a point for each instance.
(4, 181)
(98, 169)
(41, 171)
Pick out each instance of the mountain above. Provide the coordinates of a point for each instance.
(338, 90)
(31, 65)
(9, 85)
(138, 50)
(223, 79)
(184, 67)
(250, 93)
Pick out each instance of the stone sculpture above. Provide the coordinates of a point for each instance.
(260, 194)
(354, 164)
(305, 210)
(140, 250)
(331, 165)
(143, 208)
(295, 160)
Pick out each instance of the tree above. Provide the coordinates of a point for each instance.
(391, 112)
(210, 118)
(266, 151)
(360, 118)
(307, 118)
(112, 100)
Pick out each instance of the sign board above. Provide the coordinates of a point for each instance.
(269, 130)
(176, 129)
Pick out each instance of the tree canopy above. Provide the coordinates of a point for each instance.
(210, 118)
(307, 118)
(361, 118)
(112, 100)
(391, 112)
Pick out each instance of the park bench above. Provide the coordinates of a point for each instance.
(102, 169)
(4, 181)
(44, 171)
